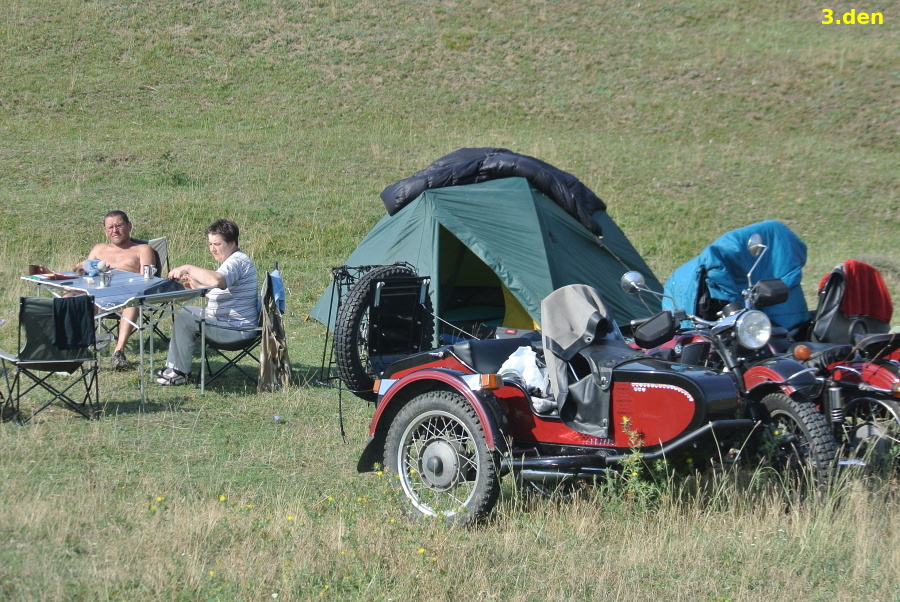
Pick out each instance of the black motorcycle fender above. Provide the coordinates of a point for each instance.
(486, 407)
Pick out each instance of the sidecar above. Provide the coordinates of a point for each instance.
(450, 426)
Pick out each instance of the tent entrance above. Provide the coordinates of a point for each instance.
(471, 297)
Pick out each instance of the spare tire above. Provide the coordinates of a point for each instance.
(351, 331)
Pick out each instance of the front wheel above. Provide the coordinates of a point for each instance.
(436, 446)
(798, 437)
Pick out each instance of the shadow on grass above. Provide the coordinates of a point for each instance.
(306, 376)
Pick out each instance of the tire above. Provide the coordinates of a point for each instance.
(437, 448)
(871, 428)
(799, 438)
(351, 332)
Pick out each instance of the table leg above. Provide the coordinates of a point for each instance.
(140, 325)
(203, 351)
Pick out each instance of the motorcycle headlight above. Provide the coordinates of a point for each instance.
(753, 329)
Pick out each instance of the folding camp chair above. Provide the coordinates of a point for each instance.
(56, 337)
(160, 248)
(272, 292)
(853, 300)
(231, 353)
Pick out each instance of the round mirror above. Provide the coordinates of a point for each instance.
(632, 282)
(755, 244)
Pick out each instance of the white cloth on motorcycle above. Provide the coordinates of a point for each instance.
(523, 365)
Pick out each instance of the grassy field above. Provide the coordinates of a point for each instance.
(688, 118)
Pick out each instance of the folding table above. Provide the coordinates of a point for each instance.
(152, 296)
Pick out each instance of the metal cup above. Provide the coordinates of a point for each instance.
(149, 271)
(104, 279)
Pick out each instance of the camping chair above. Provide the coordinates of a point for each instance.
(853, 300)
(267, 348)
(160, 248)
(56, 336)
(399, 323)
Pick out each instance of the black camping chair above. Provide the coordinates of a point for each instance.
(398, 320)
(232, 353)
(56, 337)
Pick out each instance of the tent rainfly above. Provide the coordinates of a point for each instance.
(494, 244)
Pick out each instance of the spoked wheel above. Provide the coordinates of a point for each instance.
(799, 439)
(872, 427)
(351, 332)
(436, 446)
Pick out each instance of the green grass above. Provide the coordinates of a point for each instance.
(688, 118)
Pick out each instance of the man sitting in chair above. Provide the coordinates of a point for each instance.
(232, 304)
(124, 254)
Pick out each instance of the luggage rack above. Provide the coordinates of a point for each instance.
(395, 304)
(385, 321)
(399, 322)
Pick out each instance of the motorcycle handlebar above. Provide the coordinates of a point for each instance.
(678, 315)
(635, 323)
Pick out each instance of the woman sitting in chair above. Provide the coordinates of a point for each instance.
(232, 311)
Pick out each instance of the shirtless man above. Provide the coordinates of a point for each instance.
(124, 254)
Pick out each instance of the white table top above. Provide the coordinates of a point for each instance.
(127, 289)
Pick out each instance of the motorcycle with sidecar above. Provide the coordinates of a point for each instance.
(450, 426)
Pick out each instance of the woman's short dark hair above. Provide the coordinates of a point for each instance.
(225, 228)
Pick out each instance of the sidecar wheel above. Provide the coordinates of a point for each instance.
(437, 448)
(799, 437)
(351, 332)
(871, 427)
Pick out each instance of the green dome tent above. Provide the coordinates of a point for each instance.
(494, 249)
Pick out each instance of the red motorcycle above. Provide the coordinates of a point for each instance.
(862, 394)
(852, 349)
(737, 345)
(450, 426)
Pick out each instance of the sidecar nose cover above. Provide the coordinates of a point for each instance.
(575, 317)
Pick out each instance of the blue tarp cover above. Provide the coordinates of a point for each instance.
(726, 263)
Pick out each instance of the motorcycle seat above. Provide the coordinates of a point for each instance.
(611, 352)
(486, 356)
(877, 345)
